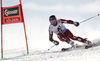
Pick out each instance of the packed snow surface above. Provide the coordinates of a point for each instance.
(78, 54)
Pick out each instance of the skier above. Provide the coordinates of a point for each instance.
(63, 33)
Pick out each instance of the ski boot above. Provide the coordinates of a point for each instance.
(88, 44)
(73, 45)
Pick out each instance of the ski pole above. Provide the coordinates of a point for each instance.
(51, 47)
(89, 18)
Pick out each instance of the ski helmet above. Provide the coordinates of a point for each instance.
(52, 17)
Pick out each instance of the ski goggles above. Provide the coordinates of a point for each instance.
(53, 21)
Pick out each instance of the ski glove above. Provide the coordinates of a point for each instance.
(76, 24)
(56, 42)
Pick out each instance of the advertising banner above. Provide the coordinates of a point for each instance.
(12, 14)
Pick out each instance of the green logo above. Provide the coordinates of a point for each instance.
(11, 12)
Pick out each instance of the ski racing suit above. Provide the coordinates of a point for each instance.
(62, 32)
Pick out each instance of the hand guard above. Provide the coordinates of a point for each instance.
(56, 42)
(76, 24)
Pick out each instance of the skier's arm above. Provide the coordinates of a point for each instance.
(51, 38)
(69, 22)
(66, 21)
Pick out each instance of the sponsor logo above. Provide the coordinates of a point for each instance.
(12, 20)
(11, 12)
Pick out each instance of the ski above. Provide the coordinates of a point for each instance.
(78, 46)
(65, 49)
(70, 48)
(86, 47)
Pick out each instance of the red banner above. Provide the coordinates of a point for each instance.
(12, 14)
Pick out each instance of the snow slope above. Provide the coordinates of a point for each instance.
(79, 54)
